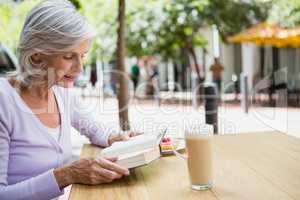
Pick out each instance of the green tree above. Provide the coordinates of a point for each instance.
(143, 20)
(231, 16)
(103, 17)
(167, 29)
(12, 17)
(285, 13)
(180, 33)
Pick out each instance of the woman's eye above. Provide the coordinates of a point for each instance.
(68, 57)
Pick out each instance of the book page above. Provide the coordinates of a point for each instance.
(134, 144)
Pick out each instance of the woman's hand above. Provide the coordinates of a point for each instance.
(123, 136)
(90, 171)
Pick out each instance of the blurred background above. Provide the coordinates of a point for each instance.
(177, 42)
(248, 49)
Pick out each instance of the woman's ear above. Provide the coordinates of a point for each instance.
(36, 58)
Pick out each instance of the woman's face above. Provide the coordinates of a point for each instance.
(66, 66)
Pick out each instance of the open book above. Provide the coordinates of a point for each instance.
(137, 151)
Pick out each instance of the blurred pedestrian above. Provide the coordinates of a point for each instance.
(154, 81)
(154, 75)
(93, 76)
(135, 75)
(217, 70)
(114, 81)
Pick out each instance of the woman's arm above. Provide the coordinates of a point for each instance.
(90, 171)
(83, 120)
(43, 186)
(49, 184)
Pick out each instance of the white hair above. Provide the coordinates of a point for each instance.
(51, 27)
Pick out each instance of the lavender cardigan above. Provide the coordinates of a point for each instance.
(28, 153)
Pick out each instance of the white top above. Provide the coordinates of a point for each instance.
(54, 132)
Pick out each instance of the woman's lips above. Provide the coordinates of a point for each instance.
(68, 77)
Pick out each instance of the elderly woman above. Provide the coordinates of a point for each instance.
(37, 110)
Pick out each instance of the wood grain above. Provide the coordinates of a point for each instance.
(246, 166)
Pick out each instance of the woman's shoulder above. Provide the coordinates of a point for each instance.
(3, 82)
(6, 90)
(6, 99)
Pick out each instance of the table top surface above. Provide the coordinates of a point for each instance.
(263, 166)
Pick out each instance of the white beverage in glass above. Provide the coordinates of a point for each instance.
(200, 157)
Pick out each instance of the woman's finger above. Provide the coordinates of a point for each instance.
(112, 159)
(107, 174)
(112, 166)
(121, 137)
(125, 137)
(101, 179)
(135, 133)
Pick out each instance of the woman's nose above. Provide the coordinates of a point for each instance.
(79, 64)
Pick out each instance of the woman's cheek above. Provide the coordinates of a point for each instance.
(66, 65)
(62, 70)
(59, 74)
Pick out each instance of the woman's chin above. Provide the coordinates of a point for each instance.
(66, 83)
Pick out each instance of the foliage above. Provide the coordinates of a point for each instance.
(285, 13)
(102, 15)
(170, 27)
(12, 17)
(293, 19)
(231, 17)
(180, 30)
(143, 21)
(165, 28)
(77, 4)
(6, 15)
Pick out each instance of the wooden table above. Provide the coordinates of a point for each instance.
(256, 166)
